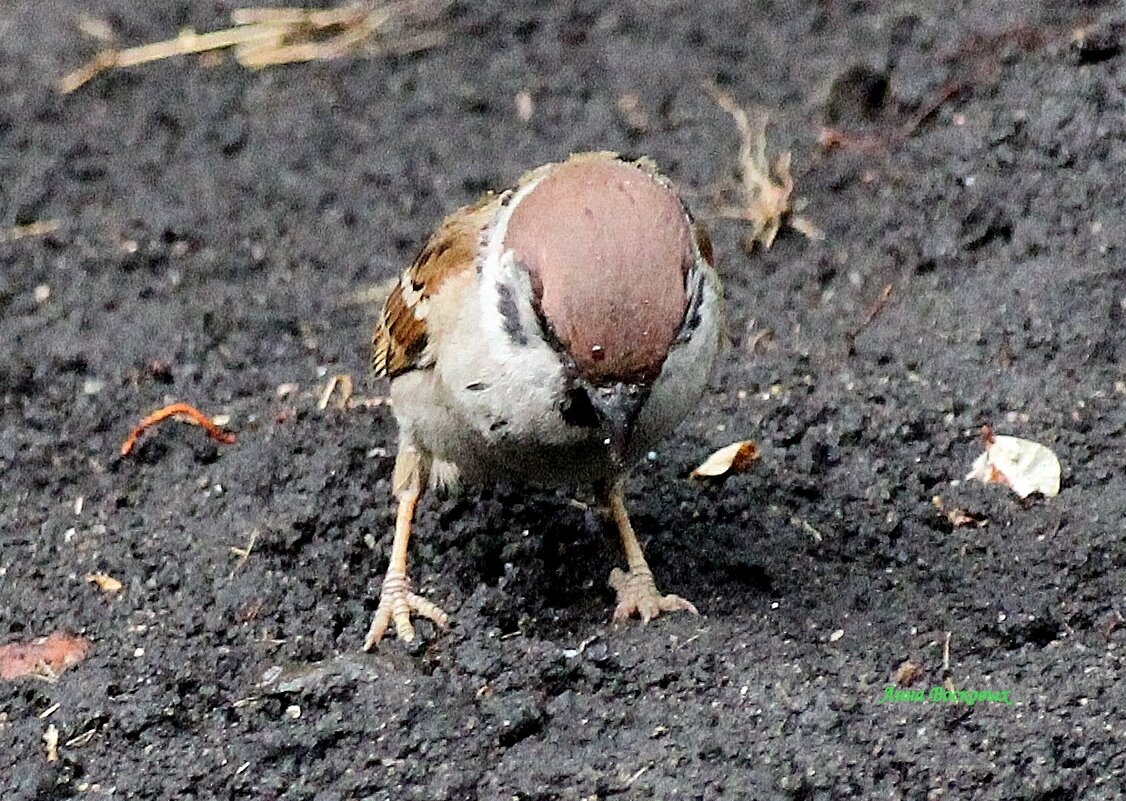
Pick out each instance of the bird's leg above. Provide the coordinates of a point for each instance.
(637, 594)
(396, 601)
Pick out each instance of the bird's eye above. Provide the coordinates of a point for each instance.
(577, 410)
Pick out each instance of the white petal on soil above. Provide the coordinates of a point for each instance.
(734, 458)
(1024, 465)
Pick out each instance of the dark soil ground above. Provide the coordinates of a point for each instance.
(215, 225)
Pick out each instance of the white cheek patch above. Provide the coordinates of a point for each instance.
(506, 291)
(508, 390)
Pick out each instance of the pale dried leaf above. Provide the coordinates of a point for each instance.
(263, 37)
(342, 380)
(765, 188)
(957, 516)
(51, 740)
(807, 228)
(907, 673)
(39, 228)
(525, 105)
(104, 582)
(1021, 464)
(738, 457)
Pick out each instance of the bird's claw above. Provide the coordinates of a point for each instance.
(396, 603)
(637, 594)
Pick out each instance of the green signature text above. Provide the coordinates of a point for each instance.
(941, 695)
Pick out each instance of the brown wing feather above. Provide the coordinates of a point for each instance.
(400, 341)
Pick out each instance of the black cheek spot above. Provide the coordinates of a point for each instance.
(577, 410)
(692, 315)
(547, 333)
(506, 305)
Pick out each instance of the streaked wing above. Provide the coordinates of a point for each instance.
(401, 341)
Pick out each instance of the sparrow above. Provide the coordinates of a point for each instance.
(552, 333)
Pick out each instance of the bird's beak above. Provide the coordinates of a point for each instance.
(618, 406)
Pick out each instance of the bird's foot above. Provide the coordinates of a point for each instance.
(396, 603)
(637, 594)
